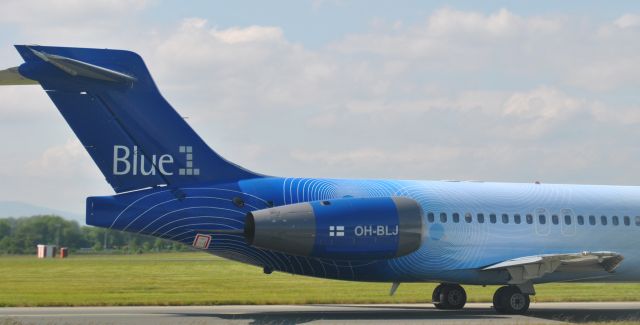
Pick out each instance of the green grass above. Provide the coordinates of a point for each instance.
(201, 279)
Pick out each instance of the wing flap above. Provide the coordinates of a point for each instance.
(524, 269)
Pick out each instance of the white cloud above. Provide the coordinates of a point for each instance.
(372, 156)
(461, 94)
(627, 21)
(502, 23)
(447, 33)
(24, 102)
(542, 109)
(242, 72)
(59, 177)
(96, 23)
(607, 74)
(317, 4)
(42, 12)
(67, 160)
(248, 34)
(557, 48)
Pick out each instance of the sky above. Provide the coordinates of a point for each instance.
(511, 91)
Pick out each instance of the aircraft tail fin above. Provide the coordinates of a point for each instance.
(112, 104)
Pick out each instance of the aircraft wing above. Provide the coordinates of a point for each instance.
(527, 268)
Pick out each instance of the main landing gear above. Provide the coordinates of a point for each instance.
(506, 300)
(511, 300)
(449, 296)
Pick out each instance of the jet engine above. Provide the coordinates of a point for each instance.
(342, 229)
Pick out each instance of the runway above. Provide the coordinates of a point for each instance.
(540, 313)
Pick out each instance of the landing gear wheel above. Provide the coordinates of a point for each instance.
(510, 300)
(497, 304)
(454, 295)
(435, 297)
(449, 296)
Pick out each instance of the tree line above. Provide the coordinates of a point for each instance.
(21, 235)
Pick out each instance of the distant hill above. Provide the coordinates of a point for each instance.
(20, 209)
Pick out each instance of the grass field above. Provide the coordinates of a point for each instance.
(201, 279)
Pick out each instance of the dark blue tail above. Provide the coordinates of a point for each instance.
(132, 133)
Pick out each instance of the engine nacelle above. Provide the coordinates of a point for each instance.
(342, 229)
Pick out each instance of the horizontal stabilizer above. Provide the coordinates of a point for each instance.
(78, 68)
(527, 268)
(11, 77)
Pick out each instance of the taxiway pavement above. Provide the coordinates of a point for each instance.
(474, 313)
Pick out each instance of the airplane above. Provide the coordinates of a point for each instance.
(171, 185)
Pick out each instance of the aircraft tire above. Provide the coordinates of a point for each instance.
(435, 297)
(450, 296)
(497, 305)
(510, 300)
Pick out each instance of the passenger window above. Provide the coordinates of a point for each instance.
(456, 217)
(467, 217)
(443, 217)
(481, 218)
(516, 219)
(603, 220)
(615, 221)
(529, 219)
(567, 219)
(627, 221)
(505, 218)
(542, 219)
(637, 220)
(554, 219)
(592, 220)
(492, 218)
(430, 217)
(581, 220)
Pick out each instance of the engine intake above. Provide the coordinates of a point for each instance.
(343, 229)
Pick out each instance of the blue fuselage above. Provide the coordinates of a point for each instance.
(469, 225)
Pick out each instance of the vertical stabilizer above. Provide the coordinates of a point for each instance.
(132, 133)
